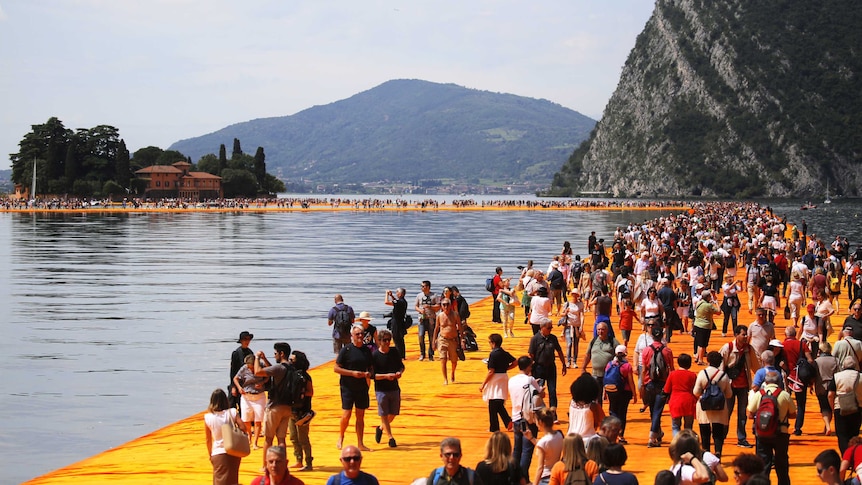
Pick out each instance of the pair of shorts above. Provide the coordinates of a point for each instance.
(701, 336)
(388, 403)
(252, 407)
(275, 420)
(447, 349)
(351, 398)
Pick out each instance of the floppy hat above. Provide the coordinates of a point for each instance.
(364, 316)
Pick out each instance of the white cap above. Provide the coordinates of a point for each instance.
(621, 349)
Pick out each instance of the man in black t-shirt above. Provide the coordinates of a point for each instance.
(388, 368)
(353, 364)
(237, 360)
(544, 346)
(397, 324)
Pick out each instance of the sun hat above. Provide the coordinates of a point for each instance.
(244, 334)
(776, 343)
(364, 316)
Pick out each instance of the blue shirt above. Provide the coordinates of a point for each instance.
(362, 479)
(760, 376)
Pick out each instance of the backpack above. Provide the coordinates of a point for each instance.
(658, 369)
(766, 421)
(408, 321)
(530, 403)
(578, 476)
(614, 378)
(834, 284)
(342, 321)
(290, 390)
(804, 371)
(712, 398)
(489, 285)
(436, 474)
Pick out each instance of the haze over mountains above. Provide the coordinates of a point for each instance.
(732, 98)
(411, 130)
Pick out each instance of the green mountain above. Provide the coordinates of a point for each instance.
(732, 98)
(408, 130)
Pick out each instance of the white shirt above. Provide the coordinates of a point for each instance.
(516, 392)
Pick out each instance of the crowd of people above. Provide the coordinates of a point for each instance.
(131, 203)
(675, 277)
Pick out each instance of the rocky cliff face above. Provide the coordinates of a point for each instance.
(732, 98)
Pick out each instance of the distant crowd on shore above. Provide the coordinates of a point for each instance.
(674, 275)
(133, 203)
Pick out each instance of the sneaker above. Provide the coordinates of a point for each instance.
(306, 468)
(798, 432)
(744, 444)
(306, 418)
(653, 444)
(378, 434)
(421, 358)
(392, 443)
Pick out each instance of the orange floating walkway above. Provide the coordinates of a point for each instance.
(430, 412)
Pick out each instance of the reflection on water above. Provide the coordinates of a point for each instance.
(118, 324)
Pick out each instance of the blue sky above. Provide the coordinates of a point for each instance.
(164, 70)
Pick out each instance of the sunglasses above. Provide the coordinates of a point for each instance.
(351, 458)
(386, 340)
(453, 454)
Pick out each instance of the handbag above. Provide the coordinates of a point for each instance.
(234, 440)
(847, 403)
(787, 312)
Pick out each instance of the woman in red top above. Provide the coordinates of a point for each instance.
(680, 386)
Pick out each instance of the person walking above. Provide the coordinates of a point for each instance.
(494, 388)
(712, 422)
(427, 305)
(848, 395)
(773, 439)
(354, 365)
(219, 412)
(388, 369)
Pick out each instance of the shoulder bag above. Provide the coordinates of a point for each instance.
(847, 403)
(234, 440)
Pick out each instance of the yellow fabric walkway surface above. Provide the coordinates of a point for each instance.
(430, 412)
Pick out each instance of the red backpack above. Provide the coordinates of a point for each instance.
(766, 421)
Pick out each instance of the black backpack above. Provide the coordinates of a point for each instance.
(712, 398)
(658, 366)
(290, 390)
(342, 320)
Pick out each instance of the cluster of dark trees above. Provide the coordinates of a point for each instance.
(95, 162)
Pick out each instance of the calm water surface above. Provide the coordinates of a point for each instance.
(117, 325)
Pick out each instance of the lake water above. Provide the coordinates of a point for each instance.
(118, 324)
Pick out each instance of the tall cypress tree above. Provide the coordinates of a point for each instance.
(72, 163)
(122, 166)
(222, 159)
(260, 166)
(237, 150)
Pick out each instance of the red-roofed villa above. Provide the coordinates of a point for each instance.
(176, 181)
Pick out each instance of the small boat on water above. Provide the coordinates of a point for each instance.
(828, 200)
(807, 206)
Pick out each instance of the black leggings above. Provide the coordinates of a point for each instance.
(717, 432)
(497, 407)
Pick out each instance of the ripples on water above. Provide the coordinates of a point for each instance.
(119, 324)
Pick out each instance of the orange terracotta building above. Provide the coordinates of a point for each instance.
(176, 181)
